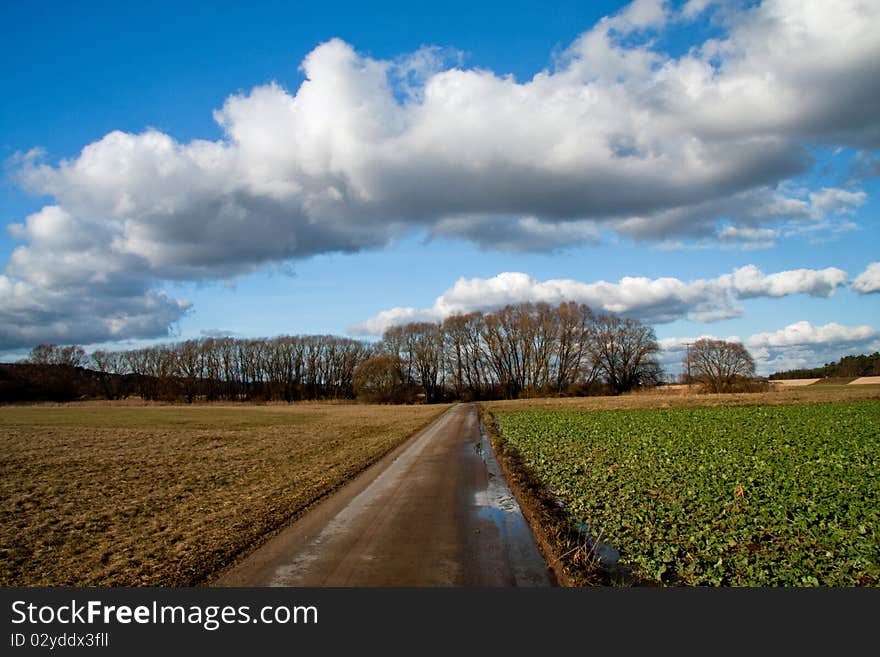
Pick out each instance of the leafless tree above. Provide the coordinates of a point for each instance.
(111, 366)
(424, 342)
(378, 379)
(519, 350)
(394, 341)
(719, 365)
(624, 352)
(51, 354)
(573, 365)
(464, 356)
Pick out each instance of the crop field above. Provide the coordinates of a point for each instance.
(115, 495)
(681, 397)
(767, 495)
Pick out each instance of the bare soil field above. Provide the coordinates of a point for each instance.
(680, 397)
(793, 383)
(866, 381)
(136, 494)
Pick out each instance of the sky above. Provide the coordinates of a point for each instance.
(180, 170)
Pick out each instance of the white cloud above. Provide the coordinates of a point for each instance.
(863, 166)
(749, 282)
(803, 333)
(838, 201)
(693, 8)
(652, 300)
(640, 15)
(749, 238)
(798, 345)
(802, 345)
(618, 136)
(217, 333)
(869, 280)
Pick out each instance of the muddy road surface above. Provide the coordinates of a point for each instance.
(435, 512)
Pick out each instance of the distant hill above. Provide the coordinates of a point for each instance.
(848, 366)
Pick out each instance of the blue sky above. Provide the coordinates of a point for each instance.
(283, 168)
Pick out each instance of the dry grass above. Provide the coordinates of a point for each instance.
(141, 494)
(680, 397)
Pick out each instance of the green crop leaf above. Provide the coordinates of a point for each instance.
(743, 496)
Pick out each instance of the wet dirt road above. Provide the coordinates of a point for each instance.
(435, 512)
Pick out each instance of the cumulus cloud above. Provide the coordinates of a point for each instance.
(618, 137)
(802, 334)
(85, 313)
(803, 345)
(653, 300)
(798, 345)
(750, 282)
(869, 280)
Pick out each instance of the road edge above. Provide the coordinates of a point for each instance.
(369, 471)
(568, 554)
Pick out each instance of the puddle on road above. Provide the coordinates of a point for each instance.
(498, 505)
(496, 502)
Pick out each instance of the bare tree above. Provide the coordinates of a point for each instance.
(110, 365)
(394, 341)
(624, 351)
(42, 354)
(572, 342)
(425, 345)
(719, 364)
(188, 361)
(378, 379)
(465, 356)
(51, 354)
(519, 350)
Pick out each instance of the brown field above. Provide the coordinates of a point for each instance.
(123, 494)
(788, 383)
(681, 397)
(866, 381)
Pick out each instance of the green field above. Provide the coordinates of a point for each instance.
(740, 496)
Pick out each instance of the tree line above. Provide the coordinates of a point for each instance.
(520, 350)
(285, 368)
(529, 349)
(848, 366)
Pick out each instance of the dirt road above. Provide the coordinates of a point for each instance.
(436, 512)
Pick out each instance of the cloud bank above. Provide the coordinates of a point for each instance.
(654, 300)
(618, 137)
